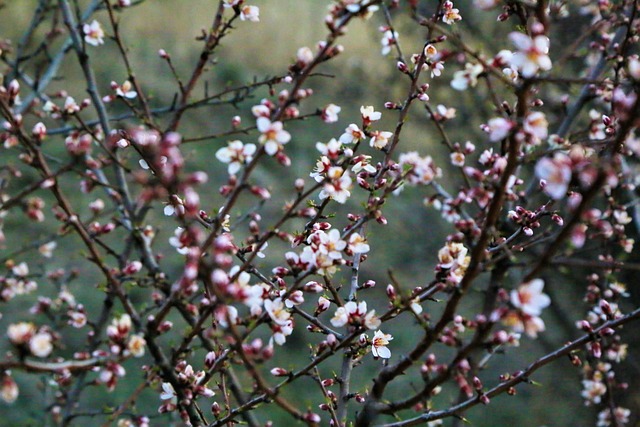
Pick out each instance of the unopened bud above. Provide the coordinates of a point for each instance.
(165, 326)
(39, 131)
(215, 408)
(606, 308)
(391, 292)
(368, 284)
(557, 219)
(584, 325)
(132, 268)
(607, 332)
(477, 384)
(210, 359)
(332, 340)
(312, 418)
(596, 349)
(279, 372)
(323, 305)
(13, 88)
(313, 287)
(575, 360)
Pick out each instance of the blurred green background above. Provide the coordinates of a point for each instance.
(407, 246)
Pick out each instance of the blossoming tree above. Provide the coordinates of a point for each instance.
(196, 302)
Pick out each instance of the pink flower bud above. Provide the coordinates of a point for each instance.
(391, 292)
(575, 360)
(595, 349)
(280, 271)
(312, 418)
(210, 359)
(39, 131)
(219, 278)
(165, 326)
(313, 287)
(198, 177)
(606, 308)
(368, 284)
(557, 219)
(332, 340)
(477, 384)
(283, 159)
(607, 332)
(584, 325)
(464, 365)
(363, 340)
(323, 305)
(13, 88)
(362, 182)
(223, 243)
(267, 352)
(132, 268)
(279, 372)
(107, 228)
(215, 408)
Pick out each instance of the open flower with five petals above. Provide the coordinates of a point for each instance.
(556, 174)
(379, 345)
(353, 313)
(93, 33)
(236, 154)
(529, 297)
(532, 54)
(273, 135)
(337, 185)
